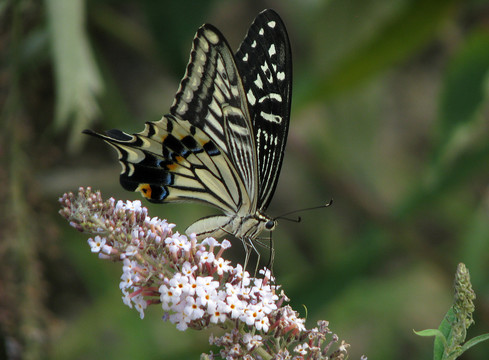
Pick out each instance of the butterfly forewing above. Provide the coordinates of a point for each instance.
(264, 62)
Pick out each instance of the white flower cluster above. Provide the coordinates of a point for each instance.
(228, 294)
(194, 284)
(204, 288)
(140, 231)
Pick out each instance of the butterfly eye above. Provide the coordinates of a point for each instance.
(270, 225)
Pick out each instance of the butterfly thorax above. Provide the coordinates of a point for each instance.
(250, 226)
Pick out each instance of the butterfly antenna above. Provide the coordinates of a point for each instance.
(283, 216)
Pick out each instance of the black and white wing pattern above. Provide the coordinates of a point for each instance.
(264, 63)
(223, 142)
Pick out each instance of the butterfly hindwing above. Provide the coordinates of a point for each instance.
(211, 97)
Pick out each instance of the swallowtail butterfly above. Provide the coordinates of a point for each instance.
(223, 142)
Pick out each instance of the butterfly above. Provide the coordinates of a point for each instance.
(222, 144)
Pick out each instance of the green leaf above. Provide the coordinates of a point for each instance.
(463, 96)
(78, 82)
(173, 33)
(407, 32)
(440, 341)
(474, 341)
(445, 329)
(429, 332)
(464, 85)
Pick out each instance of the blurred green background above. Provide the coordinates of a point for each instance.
(389, 118)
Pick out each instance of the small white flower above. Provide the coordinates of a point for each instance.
(252, 314)
(183, 243)
(235, 350)
(207, 282)
(217, 313)
(231, 289)
(207, 257)
(181, 319)
(126, 299)
(244, 276)
(131, 250)
(226, 244)
(252, 341)
(222, 266)
(343, 346)
(128, 265)
(120, 205)
(263, 324)
(266, 274)
(126, 280)
(206, 296)
(188, 269)
(107, 249)
(181, 282)
(236, 306)
(192, 308)
(182, 326)
(302, 349)
(211, 242)
(96, 243)
(140, 304)
(169, 295)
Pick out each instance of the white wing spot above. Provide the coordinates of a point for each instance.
(182, 108)
(271, 117)
(187, 95)
(194, 82)
(258, 135)
(258, 82)
(202, 56)
(245, 58)
(212, 37)
(271, 96)
(251, 97)
(271, 50)
(261, 32)
(204, 44)
(281, 75)
(271, 24)
(253, 44)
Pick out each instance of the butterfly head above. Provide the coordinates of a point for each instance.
(266, 222)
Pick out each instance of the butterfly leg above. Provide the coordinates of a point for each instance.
(249, 246)
(270, 248)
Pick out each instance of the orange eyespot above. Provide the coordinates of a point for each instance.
(175, 165)
(145, 190)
